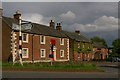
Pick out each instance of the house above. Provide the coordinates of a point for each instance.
(0, 33)
(76, 42)
(39, 41)
(100, 51)
(36, 41)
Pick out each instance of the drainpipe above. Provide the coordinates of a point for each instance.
(32, 48)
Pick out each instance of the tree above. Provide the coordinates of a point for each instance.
(98, 39)
(116, 48)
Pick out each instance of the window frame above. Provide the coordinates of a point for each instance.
(41, 53)
(26, 54)
(63, 53)
(25, 41)
(41, 39)
(61, 41)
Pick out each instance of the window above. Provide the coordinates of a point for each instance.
(83, 45)
(61, 53)
(24, 52)
(25, 37)
(78, 45)
(42, 53)
(42, 39)
(61, 41)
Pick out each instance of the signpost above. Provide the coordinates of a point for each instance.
(21, 26)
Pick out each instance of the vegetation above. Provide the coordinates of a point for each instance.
(54, 67)
(116, 48)
(98, 39)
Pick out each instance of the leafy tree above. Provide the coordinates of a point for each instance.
(98, 39)
(116, 48)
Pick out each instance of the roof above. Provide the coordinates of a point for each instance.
(76, 37)
(46, 30)
(37, 29)
(98, 45)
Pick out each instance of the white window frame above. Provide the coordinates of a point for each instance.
(43, 39)
(83, 45)
(27, 53)
(63, 53)
(41, 53)
(26, 41)
(61, 41)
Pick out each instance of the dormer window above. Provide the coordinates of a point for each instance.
(25, 37)
(42, 39)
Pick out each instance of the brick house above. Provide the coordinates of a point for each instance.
(100, 51)
(35, 41)
(77, 41)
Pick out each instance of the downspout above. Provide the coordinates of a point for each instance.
(32, 48)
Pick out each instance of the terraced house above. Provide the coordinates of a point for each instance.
(36, 41)
(81, 48)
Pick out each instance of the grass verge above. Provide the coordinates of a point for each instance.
(74, 67)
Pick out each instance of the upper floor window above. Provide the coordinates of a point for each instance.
(83, 46)
(42, 39)
(42, 53)
(61, 41)
(24, 52)
(25, 37)
(61, 53)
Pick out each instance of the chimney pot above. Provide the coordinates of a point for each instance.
(52, 24)
(77, 31)
(17, 15)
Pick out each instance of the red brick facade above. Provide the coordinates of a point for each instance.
(100, 54)
(35, 46)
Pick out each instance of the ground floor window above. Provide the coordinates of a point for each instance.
(61, 53)
(24, 52)
(42, 53)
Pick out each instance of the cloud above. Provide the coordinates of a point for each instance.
(68, 17)
(104, 23)
(36, 18)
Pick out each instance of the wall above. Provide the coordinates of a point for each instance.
(37, 46)
(6, 41)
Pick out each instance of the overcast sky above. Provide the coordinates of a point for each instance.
(91, 18)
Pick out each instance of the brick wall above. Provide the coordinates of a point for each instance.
(37, 46)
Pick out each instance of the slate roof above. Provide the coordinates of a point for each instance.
(46, 30)
(38, 29)
(98, 45)
(76, 37)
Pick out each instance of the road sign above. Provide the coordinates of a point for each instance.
(25, 26)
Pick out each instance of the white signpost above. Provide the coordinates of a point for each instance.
(20, 27)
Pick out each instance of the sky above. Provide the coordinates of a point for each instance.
(91, 18)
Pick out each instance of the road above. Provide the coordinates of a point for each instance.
(111, 71)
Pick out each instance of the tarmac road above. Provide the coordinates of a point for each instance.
(111, 71)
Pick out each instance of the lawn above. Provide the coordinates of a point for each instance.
(84, 67)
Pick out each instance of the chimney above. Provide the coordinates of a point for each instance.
(17, 15)
(58, 27)
(77, 31)
(52, 24)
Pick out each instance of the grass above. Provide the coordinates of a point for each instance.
(48, 67)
